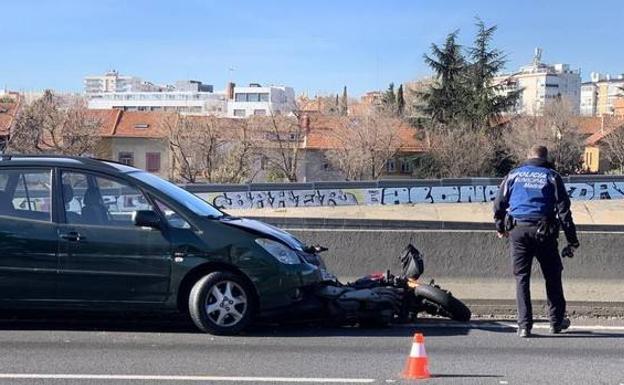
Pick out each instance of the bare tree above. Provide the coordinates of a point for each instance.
(209, 149)
(459, 151)
(364, 144)
(613, 144)
(46, 126)
(556, 129)
(280, 142)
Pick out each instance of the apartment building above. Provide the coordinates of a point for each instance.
(185, 102)
(540, 84)
(256, 100)
(113, 81)
(600, 95)
(589, 99)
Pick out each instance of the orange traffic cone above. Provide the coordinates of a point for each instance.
(417, 366)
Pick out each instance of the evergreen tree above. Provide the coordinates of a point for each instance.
(344, 104)
(485, 104)
(389, 97)
(400, 102)
(444, 101)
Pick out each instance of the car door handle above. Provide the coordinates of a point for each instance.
(73, 236)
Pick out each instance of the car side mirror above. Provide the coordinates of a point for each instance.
(146, 218)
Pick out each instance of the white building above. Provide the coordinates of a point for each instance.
(256, 100)
(589, 99)
(130, 93)
(186, 102)
(601, 91)
(112, 81)
(540, 83)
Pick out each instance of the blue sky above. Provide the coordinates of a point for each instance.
(316, 46)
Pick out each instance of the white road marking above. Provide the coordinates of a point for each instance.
(507, 325)
(129, 377)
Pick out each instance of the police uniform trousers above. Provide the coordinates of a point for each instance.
(524, 246)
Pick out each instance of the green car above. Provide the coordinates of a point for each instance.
(86, 234)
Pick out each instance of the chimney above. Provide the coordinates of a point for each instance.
(305, 122)
(229, 90)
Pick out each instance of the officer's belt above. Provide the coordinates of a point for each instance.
(527, 222)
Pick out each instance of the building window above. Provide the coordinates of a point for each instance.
(240, 97)
(239, 112)
(260, 112)
(253, 97)
(406, 166)
(391, 166)
(264, 97)
(126, 158)
(152, 161)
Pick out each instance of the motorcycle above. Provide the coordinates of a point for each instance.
(379, 299)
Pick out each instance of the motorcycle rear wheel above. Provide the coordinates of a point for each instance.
(441, 303)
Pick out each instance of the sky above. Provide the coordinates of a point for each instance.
(317, 46)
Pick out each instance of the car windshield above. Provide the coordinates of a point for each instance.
(189, 200)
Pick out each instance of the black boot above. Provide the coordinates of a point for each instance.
(556, 328)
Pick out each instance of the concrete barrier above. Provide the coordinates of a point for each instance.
(456, 253)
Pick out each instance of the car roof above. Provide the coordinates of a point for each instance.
(10, 160)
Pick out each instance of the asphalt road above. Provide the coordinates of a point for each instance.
(128, 351)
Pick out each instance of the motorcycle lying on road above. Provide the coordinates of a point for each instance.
(379, 299)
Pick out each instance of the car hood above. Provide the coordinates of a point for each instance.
(264, 229)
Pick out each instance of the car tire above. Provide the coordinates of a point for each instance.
(442, 303)
(221, 303)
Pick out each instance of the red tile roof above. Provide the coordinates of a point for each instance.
(611, 125)
(322, 134)
(139, 124)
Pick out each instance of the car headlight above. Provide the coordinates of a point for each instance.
(281, 252)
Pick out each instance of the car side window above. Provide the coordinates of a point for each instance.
(26, 194)
(174, 219)
(98, 200)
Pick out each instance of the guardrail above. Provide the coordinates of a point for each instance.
(386, 192)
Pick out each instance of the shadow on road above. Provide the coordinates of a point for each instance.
(352, 331)
(177, 323)
(580, 334)
(142, 323)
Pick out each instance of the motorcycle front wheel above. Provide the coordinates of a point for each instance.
(441, 303)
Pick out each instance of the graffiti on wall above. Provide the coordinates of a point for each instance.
(391, 195)
(281, 198)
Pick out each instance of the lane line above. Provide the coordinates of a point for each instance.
(135, 377)
(507, 325)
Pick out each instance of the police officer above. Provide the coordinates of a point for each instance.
(531, 204)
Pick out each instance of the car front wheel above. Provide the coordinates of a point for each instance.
(221, 303)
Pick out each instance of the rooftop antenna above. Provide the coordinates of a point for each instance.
(537, 56)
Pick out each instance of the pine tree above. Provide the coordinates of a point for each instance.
(444, 101)
(388, 100)
(400, 101)
(486, 62)
(344, 104)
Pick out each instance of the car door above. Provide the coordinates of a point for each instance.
(103, 256)
(28, 236)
